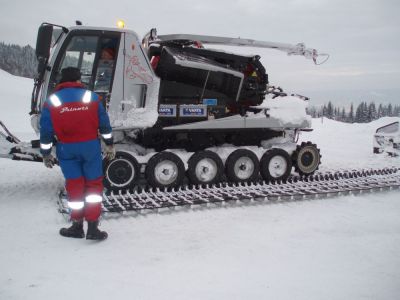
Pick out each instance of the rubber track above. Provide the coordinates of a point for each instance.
(296, 187)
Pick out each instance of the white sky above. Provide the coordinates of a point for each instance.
(362, 37)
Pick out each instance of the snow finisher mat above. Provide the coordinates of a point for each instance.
(295, 188)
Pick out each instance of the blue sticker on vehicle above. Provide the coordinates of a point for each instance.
(210, 101)
(193, 111)
(167, 110)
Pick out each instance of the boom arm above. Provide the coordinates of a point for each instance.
(297, 49)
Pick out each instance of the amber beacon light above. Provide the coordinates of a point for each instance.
(120, 24)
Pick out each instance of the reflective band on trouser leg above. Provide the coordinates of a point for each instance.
(77, 210)
(93, 207)
(76, 204)
(94, 192)
(76, 193)
(93, 199)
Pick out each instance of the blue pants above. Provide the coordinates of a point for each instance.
(80, 159)
(82, 166)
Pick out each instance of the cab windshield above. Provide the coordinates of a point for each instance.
(94, 55)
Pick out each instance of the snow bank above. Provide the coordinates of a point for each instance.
(288, 109)
(345, 145)
(15, 99)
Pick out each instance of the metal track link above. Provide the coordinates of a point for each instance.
(296, 187)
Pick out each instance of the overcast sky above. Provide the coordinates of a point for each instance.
(361, 36)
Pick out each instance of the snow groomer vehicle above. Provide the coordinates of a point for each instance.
(181, 111)
(387, 139)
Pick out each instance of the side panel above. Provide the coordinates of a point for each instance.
(135, 101)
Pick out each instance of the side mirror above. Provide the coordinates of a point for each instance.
(43, 42)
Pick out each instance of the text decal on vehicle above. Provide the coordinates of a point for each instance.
(193, 110)
(167, 110)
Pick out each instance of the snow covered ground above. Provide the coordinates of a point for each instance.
(343, 247)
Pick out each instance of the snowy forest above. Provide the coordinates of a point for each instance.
(17, 60)
(364, 113)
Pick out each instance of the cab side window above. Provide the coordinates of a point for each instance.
(106, 65)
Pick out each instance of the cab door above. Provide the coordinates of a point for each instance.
(134, 101)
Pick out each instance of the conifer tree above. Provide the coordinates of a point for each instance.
(351, 114)
(372, 114)
(390, 110)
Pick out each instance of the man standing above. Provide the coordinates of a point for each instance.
(74, 116)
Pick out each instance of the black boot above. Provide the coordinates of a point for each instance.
(93, 233)
(75, 231)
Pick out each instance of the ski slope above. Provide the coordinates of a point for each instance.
(344, 247)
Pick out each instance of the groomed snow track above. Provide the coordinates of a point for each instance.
(295, 188)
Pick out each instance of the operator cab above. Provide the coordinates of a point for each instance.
(113, 64)
(94, 53)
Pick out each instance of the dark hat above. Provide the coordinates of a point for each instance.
(70, 74)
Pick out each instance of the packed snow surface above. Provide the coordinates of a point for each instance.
(343, 247)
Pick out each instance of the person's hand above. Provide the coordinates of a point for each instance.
(49, 161)
(109, 152)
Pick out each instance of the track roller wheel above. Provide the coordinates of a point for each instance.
(164, 170)
(122, 172)
(306, 158)
(242, 165)
(275, 165)
(205, 167)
